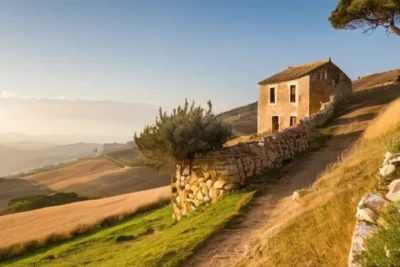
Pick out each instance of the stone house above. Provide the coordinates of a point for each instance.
(297, 92)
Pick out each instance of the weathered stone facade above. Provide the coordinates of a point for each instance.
(314, 83)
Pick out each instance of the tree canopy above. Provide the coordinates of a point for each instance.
(367, 15)
(185, 133)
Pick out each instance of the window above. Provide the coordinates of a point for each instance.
(272, 95)
(326, 74)
(293, 120)
(275, 124)
(293, 94)
(321, 73)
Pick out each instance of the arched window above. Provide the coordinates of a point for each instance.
(326, 74)
(333, 83)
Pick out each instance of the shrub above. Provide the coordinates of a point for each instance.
(184, 134)
(383, 248)
(393, 146)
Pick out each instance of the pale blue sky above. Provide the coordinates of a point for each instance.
(163, 51)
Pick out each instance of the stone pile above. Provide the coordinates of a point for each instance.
(373, 205)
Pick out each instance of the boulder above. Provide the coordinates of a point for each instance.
(365, 214)
(206, 199)
(394, 191)
(387, 170)
(374, 202)
(362, 230)
(187, 187)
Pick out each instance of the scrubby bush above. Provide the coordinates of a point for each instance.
(184, 134)
(383, 247)
(393, 146)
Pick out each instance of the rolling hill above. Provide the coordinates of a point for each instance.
(244, 119)
(21, 157)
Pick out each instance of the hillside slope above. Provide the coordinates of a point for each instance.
(318, 228)
(14, 159)
(244, 119)
(94, 177)
(61, 220)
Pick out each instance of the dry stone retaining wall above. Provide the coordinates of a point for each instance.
(228, 168)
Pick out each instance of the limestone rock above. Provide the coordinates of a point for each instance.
(206, 175)
(195, 189)
(178, 199)
(366, 214)
(394, 191)
(206, 199)
(361, 232)
(187, 186)
(219, 184)
(209, 183)
(200, 196)
(228, 187)
(374, 202)
(387, 170)
(204, 191)
(296, 196)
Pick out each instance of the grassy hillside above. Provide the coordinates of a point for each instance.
(244, 119)
(320, 232)
(151, 239)
(36, 228)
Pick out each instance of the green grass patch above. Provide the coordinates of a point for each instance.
(150, 239)
(38, 202)
(269, 176)
(383, 248)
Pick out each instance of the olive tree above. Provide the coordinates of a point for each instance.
(187, 132)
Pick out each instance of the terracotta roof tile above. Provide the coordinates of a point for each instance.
(294, 72)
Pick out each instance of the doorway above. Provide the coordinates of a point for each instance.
(275, 124)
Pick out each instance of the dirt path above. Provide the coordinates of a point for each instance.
(275, 201)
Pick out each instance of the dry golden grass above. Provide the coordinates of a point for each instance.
(386, 123)
(96, 177)
(319, 231)
(27, 230)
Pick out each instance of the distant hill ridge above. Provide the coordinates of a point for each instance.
(244, 119)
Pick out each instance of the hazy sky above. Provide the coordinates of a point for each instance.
(160, 52)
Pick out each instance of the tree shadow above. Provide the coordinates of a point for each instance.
(12, 188)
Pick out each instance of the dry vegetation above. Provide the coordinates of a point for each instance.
(96, 177)
(150, 239)
(23, 231)
(319, 232)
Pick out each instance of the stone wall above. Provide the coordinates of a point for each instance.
(371, 207)
(228, 168)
